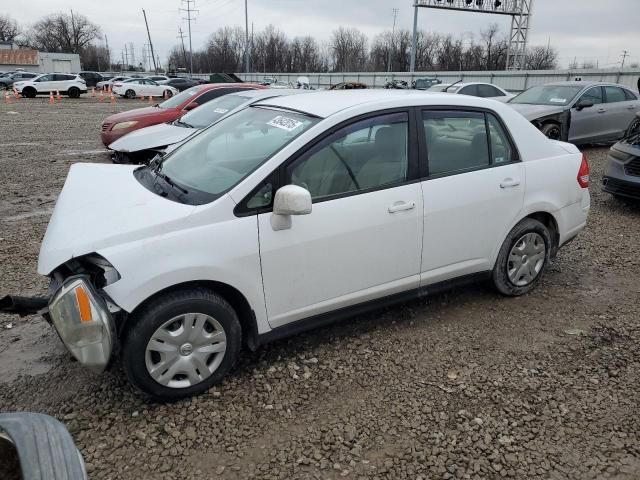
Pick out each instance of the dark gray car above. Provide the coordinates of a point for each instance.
(622, 172)
(579, 112)
(6, 82)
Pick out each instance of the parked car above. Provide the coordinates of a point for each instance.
(158, 78)
(426, 83)
(180, 83)
(579, 112)
(396, 84)
(109, 83)
(6, 82)
(141, 87)
(474, 89)
(269, 221)
(349, 86)
(119, 124)
(65, 83)
(142, 145)
(622, 171)
(91, 78)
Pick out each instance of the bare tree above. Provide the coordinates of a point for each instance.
(61, 32)
(542, 58)
(495, 49)
(349, 47)
(9, 29)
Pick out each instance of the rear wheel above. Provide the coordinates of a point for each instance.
(73, 92)
(181, 344)
(168, 94)
(552, 131)
(130, 94)
(634, 128)
(523, 258)
(29, 92)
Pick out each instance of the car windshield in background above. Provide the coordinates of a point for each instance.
(224, 154)
(179, 99)
(558, 95)
(212, 111)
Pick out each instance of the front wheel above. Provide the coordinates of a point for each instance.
(552, 131)
(523, 258)
(168, 94)
(181, 344)
(130, 94)
(74, 92)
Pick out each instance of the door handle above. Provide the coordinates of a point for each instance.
(509, 183)
(402, 207)
(631, 107)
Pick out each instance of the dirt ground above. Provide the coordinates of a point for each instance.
(461, 385)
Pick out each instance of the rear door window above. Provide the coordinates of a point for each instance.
(488, 91)
(615, 94)
(469, 90)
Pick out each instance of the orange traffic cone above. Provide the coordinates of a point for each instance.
(7, 97)
(101, 96)
(51, 99)
(93, 91)
(58, 96)
(142, 99)
(150, 99)
(16, 93)
(113, 98)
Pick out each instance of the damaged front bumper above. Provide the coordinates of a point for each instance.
(79, 315)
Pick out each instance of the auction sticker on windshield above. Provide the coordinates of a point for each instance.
(221, 110)
(285, 123)
(558, 100)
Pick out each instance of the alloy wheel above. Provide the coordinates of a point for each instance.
(526, 259)
(185, 350)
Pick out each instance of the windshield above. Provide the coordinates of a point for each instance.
(212, 111)
(557, 95)
(225, 153)
(180, 98)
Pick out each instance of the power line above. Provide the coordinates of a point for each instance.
(189, 19)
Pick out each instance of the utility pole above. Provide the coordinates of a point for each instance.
(414, 43)
(126, 57)
(246, 44)
(625, 54)
(181, 36)
(155, 67)
(189, 19)
(393, 33)
(106, 43)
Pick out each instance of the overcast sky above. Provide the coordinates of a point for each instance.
(587, 29)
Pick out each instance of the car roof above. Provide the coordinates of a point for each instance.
(212, 86)
(325, 103)
(582, 83)
(267, 93)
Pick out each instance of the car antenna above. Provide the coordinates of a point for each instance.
(453, 84)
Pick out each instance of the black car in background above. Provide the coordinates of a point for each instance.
(182, 83)
(6, 81)
(622, 171)
(91, 78)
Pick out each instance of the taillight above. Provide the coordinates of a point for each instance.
(583, 173)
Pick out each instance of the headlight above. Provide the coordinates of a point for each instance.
(83, 322)
(120, 126)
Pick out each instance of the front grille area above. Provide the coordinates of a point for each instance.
(105, 127)
(620, 187)
(633, 167)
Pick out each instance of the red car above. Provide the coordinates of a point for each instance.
(120, 124)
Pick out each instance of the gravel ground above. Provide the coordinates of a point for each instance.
(461, 385)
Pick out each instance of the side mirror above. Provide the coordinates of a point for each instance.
(289, 200)
(582, 104)
(191, 106)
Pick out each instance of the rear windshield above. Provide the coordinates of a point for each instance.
(557, 95)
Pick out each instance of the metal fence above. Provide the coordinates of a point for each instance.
(514, 81)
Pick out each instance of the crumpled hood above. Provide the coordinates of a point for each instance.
(151, 137)
(533, 112)
(101, 206)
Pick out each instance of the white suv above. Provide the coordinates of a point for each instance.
(65, 83)
(296, 211)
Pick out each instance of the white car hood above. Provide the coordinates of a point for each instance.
(151, 137)
(101, 206)
(533, 112)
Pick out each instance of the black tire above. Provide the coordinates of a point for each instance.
(157, 312)
(130, 94)
(552, 131)
(501, 269)
(73, 92)
(29, 92)
(168, 94)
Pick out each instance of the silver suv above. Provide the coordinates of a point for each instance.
(65, 83)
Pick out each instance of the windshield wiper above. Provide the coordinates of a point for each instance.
(158, 171)
(183, 124)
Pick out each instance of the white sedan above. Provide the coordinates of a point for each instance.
(143, 87)
(296, 211)
(474, 89)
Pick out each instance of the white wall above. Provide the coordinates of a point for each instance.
(54, 62)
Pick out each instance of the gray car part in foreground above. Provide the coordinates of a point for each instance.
(622, 172)
(45, 448)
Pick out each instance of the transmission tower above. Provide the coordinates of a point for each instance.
(520, 12)
(189, 18)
